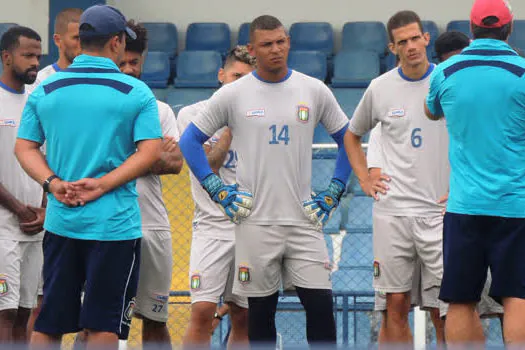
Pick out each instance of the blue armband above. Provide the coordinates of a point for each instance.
(342, 165)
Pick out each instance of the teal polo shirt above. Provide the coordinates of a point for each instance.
(91, 116)
(478, 92)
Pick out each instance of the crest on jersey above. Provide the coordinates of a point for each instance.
(244, 274)
(195, 281)
(377, 269)
(4, 287)
(8, 122)
(303, 113)
(128, 314)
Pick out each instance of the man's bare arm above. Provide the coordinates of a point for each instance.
(138, 164)
(8, 201)
(217, 154)
(171, 160)
(430, 115)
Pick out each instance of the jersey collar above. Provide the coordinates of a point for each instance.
(56, 67)
(288, 74)
(427, 73)
(87, 61)
(11, 90)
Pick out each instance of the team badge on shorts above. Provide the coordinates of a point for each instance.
(195, 281)
(377, 270)
(244, 274)
(303, 113)
(128, 314)
(4, 287)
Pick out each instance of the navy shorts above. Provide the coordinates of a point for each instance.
(474, 243)
(107, 271)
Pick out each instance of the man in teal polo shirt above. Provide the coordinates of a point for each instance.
(481, 93)
(102, 131)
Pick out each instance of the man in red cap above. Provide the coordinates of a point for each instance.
(482, 94)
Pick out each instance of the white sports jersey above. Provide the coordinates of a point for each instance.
(273, 126)
(45, 73)
(414, 149)
(12, 176)
(208, 219)
(152, 209)
(373, 153)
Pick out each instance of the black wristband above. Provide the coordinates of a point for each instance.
(46, 183)
(217, 316)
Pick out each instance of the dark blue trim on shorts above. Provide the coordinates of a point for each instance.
(114, 84)
(511, 68)
(91, 70)
(489, 53)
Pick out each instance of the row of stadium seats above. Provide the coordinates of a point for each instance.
(198, 69)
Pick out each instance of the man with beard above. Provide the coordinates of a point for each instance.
(156, 250)
(21, 212)
(67, 40)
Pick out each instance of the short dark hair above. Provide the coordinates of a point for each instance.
(450, 41)
(500, 33)
(66, 16)
(401, 19)
(240, 54)
(140, 44)
(96, 42)
(264, 22)
(11, 38)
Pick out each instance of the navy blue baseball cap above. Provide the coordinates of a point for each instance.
(104, 20)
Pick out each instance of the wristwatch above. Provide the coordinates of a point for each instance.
(217, 316)
(46, 183)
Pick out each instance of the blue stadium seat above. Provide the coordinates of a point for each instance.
(357, 250)
(243, 37)
(179, 98)
(312, 63)
(432, 29)
(460, 26)
(5, 26)
(359, 215)
(156, 69)
(160, 94)
(208, 36)
(162, 36)
(355, 69)
(198, 69)
(348, 99)
(312, 36)
(517, 38)
(365, 36)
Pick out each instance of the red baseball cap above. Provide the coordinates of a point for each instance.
(491, 8)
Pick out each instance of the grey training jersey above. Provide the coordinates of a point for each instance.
(373, 153)
(273, 126)
(45, 73)
(12, 176)
(149, 187)
(208, 219)
(414, 149)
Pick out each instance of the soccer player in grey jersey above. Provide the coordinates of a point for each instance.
(212, 258)
(407, 221)
(272, 114)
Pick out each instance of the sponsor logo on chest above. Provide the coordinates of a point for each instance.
(8, 122)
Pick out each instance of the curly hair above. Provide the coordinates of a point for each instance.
(140, 44)
(240, 54)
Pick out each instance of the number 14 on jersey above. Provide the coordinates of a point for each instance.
(279, 135)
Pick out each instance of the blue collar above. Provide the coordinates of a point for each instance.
(10, 89)
(288, 74)
(427, 73)
(87, 61)
(56, 67)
